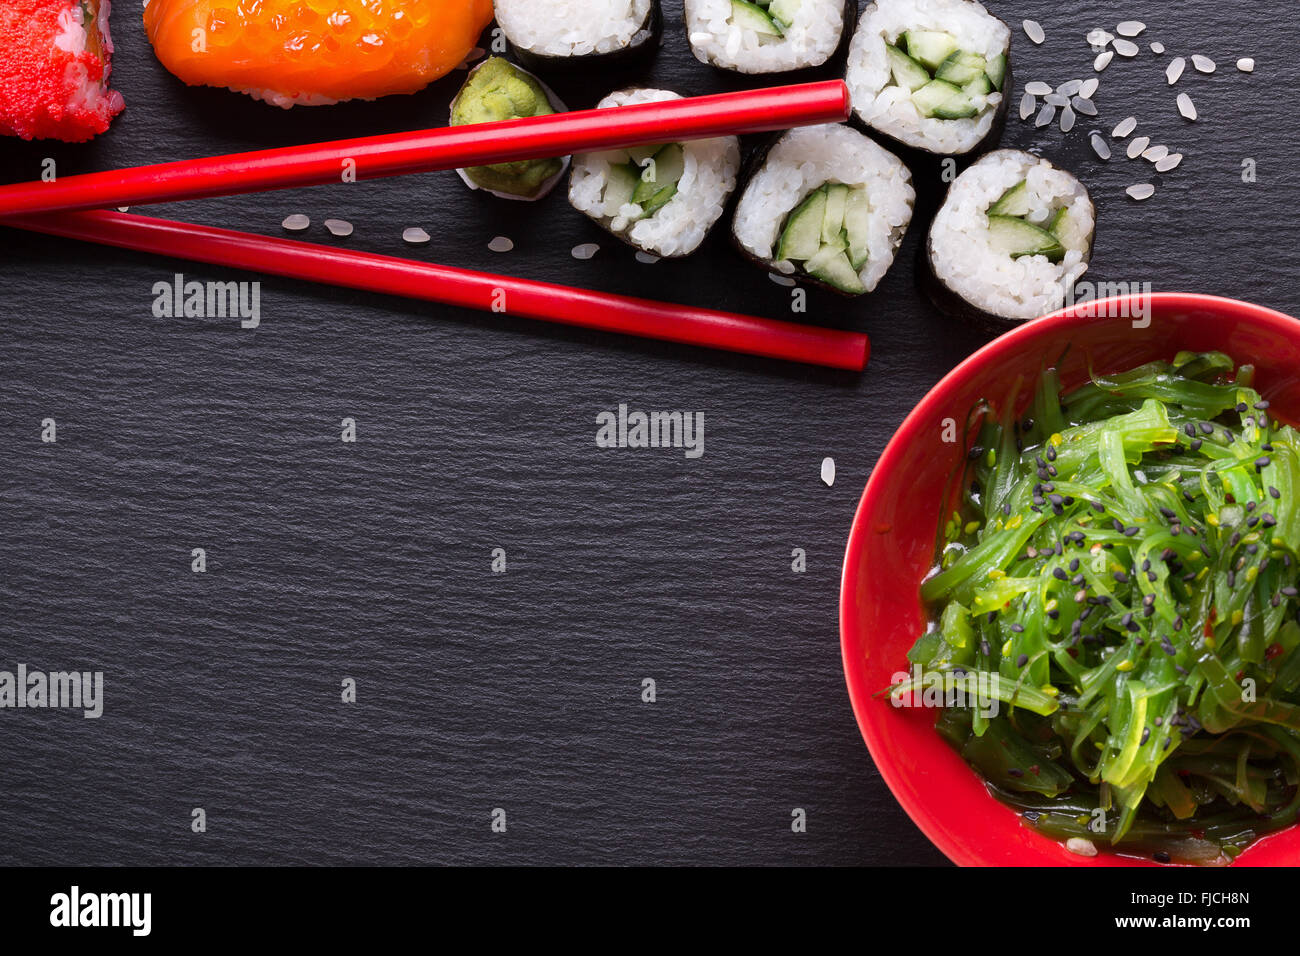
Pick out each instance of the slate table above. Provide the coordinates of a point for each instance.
(372, 560)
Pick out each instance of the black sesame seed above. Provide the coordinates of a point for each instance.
(1022, 660)
(1207, 428)
(1121, 577)
(1273, 492)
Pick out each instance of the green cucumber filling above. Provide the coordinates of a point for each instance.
(647, 179)
(770, 19)
(945, 81)
(498, 90)
(826, 236)
(1012, 233)
(1116, 597)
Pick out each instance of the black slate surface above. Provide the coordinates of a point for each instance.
(372, 560)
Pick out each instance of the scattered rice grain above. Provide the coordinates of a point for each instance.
(1103, 60)
(1155, 153)
(1246, 65)
(1125, 47)
(649, 259)
(1081, 847)
(1100, 146)
(1141, 191)
(1089, 88)
(584, 251)
(1034, 31)
(1203, 64)
(1124, 127)
(339, 227)
(1099, 39)
(415, 236)
(1157, 48)
(1045, 116)
(1028, 105)
(501, 244)
(1037, 88)
(1084, 105)
(1169, 163)
(1174, 71)
(1137, 146)
(828, 471)
(781, 280)
(1070, 87)
(1186, 107)
(1056, 99)
(1130, 28)
(1067, 120)
(296, 223)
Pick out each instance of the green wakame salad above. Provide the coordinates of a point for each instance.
(1121, 578)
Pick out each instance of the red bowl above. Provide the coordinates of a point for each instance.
(891, 547)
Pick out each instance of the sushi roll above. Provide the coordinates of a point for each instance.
(566, 34)
(1012, 238)
(768, 36)
(828, 206)
(289, 53)
(498, 90)
(662, 199)
(55, 61)
(931, 73)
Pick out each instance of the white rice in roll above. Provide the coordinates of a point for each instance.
(678, 227)
(715, 37)
(573, 27)
(882, 104)
(802, 161)
(965, 259)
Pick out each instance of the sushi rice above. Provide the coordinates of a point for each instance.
(574, 28)
(677, 228)
(809, 41)
(968, 263)
(889, 108)
(804, 159)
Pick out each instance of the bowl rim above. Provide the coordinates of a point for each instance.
(1087, 312)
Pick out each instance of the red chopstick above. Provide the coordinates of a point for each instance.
(729, 331)
(453, 147)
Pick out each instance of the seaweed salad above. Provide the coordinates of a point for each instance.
(1120, 578)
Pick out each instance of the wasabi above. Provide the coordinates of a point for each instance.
(498, 90)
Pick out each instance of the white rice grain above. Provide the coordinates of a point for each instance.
(1034, 31)
(1070, 87)
(1100, 146)
(296, 223)
(501, 244)
(647, 258)
(415, 236)
(784, 281)
(1137, 146)
(1174, 71)
(1155, 153)
(1157, 47)
(1169, 163)
(1126, 47)
(1089, 87)
(1045, 116)
(1067, 120)
(1028, 104)
(828, 471)
(1085, 106)
(1186, 107)
(1099, 39)
(339, 227)
(1141, 191)
(1103, 60)
(1038, 88)
(1203, 64)
(584, 251)
(1130, 28)
(1124, 127)
(1246, 65)
(1057, 100)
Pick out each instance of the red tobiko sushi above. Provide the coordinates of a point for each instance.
(55, 59)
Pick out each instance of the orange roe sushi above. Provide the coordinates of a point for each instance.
(55, 59)
(314, 52)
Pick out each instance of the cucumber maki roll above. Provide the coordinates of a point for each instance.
(768, 36)
(566, 34)
(662, 199)
(498, 90)
(931, 73)
(1012, 238)
(826, 205)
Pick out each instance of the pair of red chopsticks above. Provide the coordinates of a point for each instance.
(58, 208)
